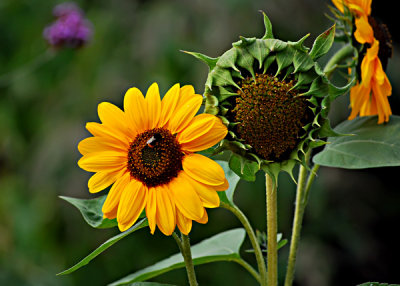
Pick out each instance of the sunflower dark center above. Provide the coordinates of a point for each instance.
(270, 116)
(382, 34)
(155, 157)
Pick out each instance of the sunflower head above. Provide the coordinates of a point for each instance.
(273, 97)
(146, 153)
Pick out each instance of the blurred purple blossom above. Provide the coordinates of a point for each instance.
(71, 28)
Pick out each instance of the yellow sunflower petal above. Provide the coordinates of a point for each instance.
(168, 104)
(201, 141)
(99, 144)
(223, 187)
(186, 93)
(153, 102)
(364, 33)
(110, 205)
(112, 116)
(184, 224)
(151, 209)
(132, 203)
(103, 161)
(203, 169)
(135, 108)
(200, 125)
(185, 114)
(185, 197)
(166, 217)
(204, 219)
(207, 194)
(103, 131)
(102, 180)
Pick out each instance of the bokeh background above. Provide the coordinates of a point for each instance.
(46, 97)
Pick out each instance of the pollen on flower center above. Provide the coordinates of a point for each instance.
(155, 157)
(270, 116)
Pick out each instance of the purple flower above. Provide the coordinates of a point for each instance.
(70, 29)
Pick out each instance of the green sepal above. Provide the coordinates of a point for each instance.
(225, 93)
(268, 27)
(302, 62)
(245, 60)
(335, 91)
(275, 45)
(284, 58)
(211, 62)
(228, 59)
(259, 50)
(268, 61)
(323, 43)
(244, 168)
(211, 105)
(220, 77)
(305, 78)
(326, 130)
(299, 45)
(317, 89)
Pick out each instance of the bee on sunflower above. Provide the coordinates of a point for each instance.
(274, 98)
(372, 40)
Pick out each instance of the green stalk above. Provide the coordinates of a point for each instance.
(302, 195)
(272, 230)
(184, 247)
(253, 240)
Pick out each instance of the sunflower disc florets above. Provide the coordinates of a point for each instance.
(274, 98)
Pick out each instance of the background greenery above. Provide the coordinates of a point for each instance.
(349, 233)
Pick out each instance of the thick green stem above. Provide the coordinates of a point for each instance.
(302, 194)
(253, 240)
(187, 257)
(272, 230)
(342, 54)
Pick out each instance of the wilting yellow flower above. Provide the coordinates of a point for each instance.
(146, 153)
(370, 97)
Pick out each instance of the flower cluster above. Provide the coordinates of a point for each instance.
(71, 28)
(370, 95)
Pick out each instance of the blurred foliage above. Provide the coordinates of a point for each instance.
(46, 97)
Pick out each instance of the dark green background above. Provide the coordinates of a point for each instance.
(350, 227)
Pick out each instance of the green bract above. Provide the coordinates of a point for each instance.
(283, 85)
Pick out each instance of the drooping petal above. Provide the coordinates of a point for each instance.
(103, 161)
(168, 104)
(364, 33)
(166, 217)
(110, 205)
(132, 202)
(153, 102)
(204, 219)
(184, 224)
(151, 209)
(185, 197)
(198, 142)
(200, 125)
(102, 180)
(203, 169)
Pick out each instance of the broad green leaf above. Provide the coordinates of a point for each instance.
(377, 284)
(141, 224)
(372, 145)
(323, 43)
(233, 180)
(221, 247)
(91, 211)
(149, 284)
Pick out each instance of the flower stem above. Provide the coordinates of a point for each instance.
(249, 268)
(184, 247)
(272, 229)
(302, 194)
(347, 51)
(253, 240)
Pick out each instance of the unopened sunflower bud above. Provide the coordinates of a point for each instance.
(274, 98)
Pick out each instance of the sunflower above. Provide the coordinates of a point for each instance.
(370, 95)
(147, 153)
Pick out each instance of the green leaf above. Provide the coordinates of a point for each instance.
(245, 169)
(323, 43)
(232, 178)
(141, 224)
(91, 211)
(221, 247)
(373, 145)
